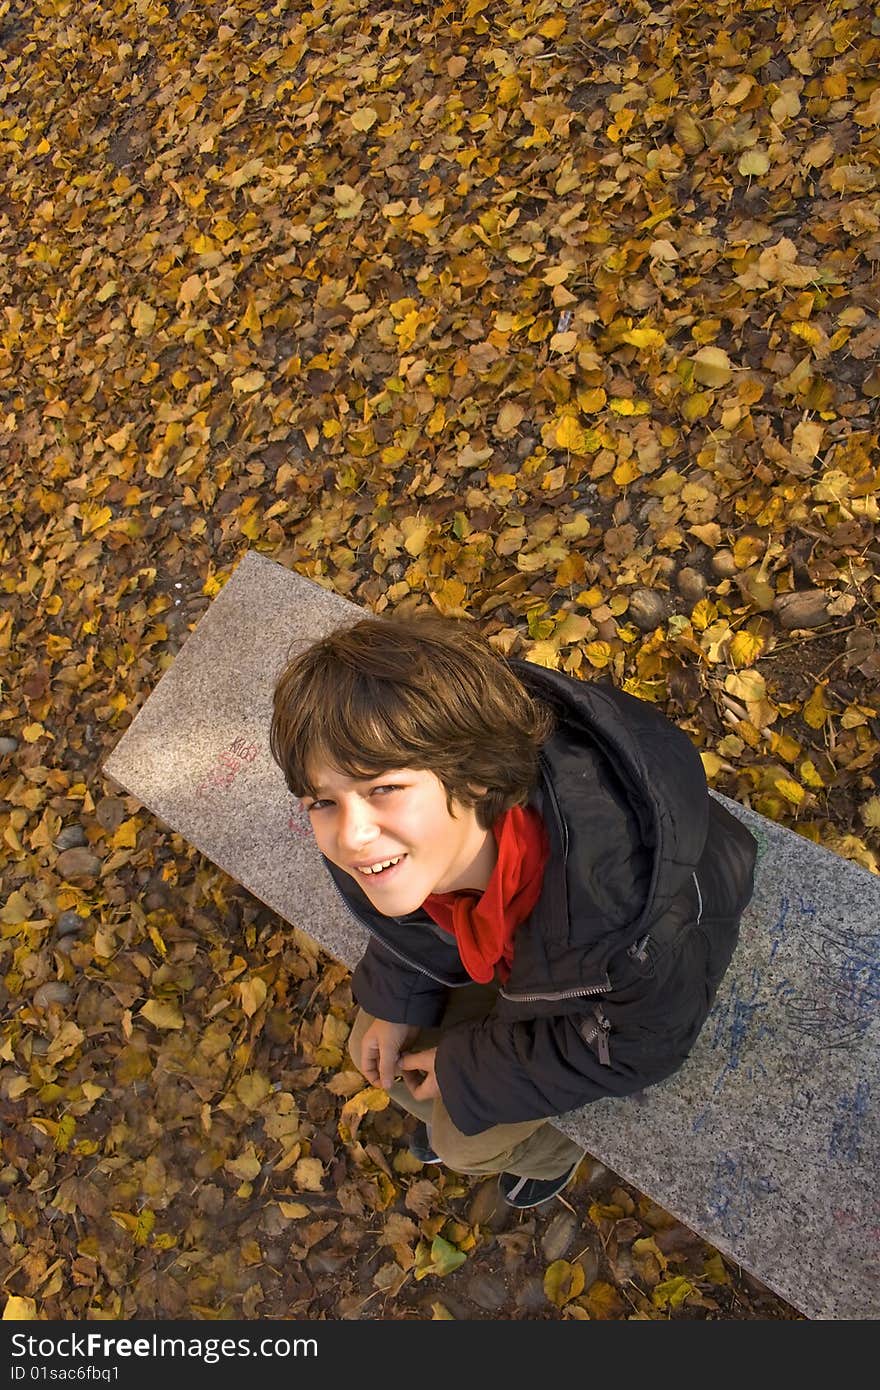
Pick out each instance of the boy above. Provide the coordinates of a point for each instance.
(552, 897)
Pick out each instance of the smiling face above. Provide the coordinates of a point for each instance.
(361, 823)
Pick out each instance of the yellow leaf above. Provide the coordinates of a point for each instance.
(16, 909)
(543, 653)
(602, 1301)
(745, 648)
(509, 416)
(252, 1088)
(119, 440)
(712, 764)
(348, 201)
(19, 1309)
(65, 1132)
(509, 89)
(569, 434)
(792, 791)
(626, 472)
(440, 1258)
(712, 367)
(593, 400)
(417, 538)
(125, 837)
(714, 1269)
(294, 1211)
(247, 1166)
(785, 747)
(807, 440)
(753, 162)
(815, 711)
(364, 118)
(598, 653)
(688, 133)
(808, 332)
(748, 685)
(252, 993)
(809, 774)
(696, 407)
(672, 1292)
(143, 319)
(563, 1281)
(704, 613)
(251, 381)
(644, 338)
(870, 812)
(308, 1175)
(162, 1013)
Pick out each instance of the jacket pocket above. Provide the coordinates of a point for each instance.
(720, 936)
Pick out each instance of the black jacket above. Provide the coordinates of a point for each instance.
(617, 966)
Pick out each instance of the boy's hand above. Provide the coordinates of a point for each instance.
(418, 1073)
(381, 1048)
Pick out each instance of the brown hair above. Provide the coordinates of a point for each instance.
(425, 692)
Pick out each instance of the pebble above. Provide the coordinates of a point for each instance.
(531, 1296)
(71, 837)
(488, 1208)
(110, 812)
(593, 1172)
(487, 1291)
(723, 564)
(78, 863)
(589, 1263)
(647, 609)
(808, 608)
(8, 745)
(69, 923)
(558, 1236)
(691, 585)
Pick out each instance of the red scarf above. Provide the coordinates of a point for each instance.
(484, 924)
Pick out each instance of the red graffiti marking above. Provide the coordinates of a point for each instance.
(227, 765)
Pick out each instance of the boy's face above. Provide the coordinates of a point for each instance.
(359, 824)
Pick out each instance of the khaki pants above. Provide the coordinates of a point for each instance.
(531, 1149)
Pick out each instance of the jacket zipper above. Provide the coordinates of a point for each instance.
(602, 988)
(560, 820)
(598, 1032)
(414, 965)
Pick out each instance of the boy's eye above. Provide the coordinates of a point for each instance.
(319, 805)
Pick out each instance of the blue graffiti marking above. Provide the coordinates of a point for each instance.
(733, 1193)
(845, 1141)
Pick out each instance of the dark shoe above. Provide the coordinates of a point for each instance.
(419, 1144)
(533, 1192)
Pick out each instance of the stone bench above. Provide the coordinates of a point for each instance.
(765, 1143)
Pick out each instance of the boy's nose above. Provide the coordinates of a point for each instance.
(357, 831)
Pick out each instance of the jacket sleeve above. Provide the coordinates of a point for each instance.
(388, 989)
(495, 1072)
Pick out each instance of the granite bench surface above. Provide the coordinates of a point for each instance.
(765, 1143)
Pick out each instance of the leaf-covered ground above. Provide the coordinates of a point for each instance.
(560, 316)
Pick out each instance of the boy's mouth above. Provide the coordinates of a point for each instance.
(376, 874)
